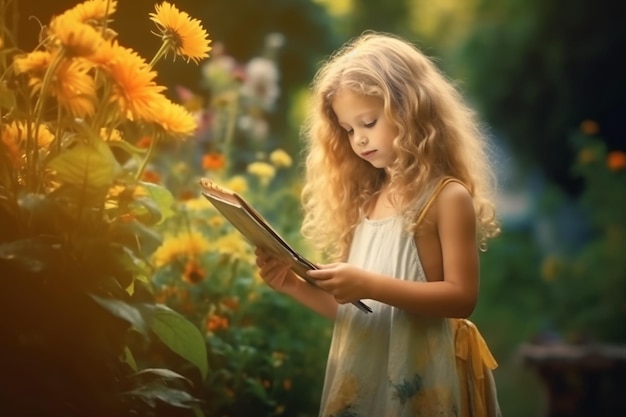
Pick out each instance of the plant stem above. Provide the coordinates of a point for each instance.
(146, 159)
(161, 52)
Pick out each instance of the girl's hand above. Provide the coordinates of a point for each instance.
(275, 272)
(347, 283)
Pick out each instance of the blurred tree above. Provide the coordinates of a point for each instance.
(537, 69)
(388, 16)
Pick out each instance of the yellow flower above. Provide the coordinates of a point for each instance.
(16, 133)
(172, 117)
(551, 267)
(92, 10)
(238, 184)
(110, 135)
(75, 88)
(586, 156)
(264, 171)
(133, 86)
(234, 245)
(281, 159)
(197, 204)
(77, 39)
(72, 84)
(187, 244)
(35, 63)
(216, 222)
(181, 34)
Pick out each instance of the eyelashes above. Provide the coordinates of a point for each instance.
(366, 125)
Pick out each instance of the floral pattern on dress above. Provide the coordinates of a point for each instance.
(342, 402)
(407, 388)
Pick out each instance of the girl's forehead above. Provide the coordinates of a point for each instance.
(352, 101)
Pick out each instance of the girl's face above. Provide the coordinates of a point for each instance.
(370, 133)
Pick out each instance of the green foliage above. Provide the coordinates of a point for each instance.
(588, 285)
(536, 69)
(76, 227)
(266, 352)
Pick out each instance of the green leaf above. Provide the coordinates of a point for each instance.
(152, 395)
(181, 336)
(91, 166)
(130, 359)
(124, 311)
(162, 197)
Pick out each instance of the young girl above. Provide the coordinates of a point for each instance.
(398, 194)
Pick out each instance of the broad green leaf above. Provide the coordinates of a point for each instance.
(152, 394)
(124, 311)
(90, 166)
(162, 197)
(181, 336)
(161, 376)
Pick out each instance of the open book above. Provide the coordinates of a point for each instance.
(258, 232)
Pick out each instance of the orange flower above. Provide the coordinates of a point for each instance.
(193, 273)
(231, 303)
(151, 176)
(287, 384)
(616, 160)
(144, 142)
(589, 127)
(215, 323)
(186, 195)
(213, 161)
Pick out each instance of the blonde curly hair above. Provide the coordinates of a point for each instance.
(438, 136)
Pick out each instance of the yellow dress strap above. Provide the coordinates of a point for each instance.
(442, 183)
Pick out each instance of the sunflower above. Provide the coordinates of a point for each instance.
(133, 86)
(77, 39)
(180, 33)
(188, 245)
(72, 85)
(92, 11)
(15, 134)
(172, 117)
(35, 63)
(75, 88)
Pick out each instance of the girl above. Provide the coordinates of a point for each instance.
(398, 193)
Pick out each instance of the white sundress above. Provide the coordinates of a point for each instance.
(389, 363)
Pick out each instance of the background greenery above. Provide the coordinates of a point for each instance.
(547, 78)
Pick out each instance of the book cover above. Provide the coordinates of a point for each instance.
(257, 230)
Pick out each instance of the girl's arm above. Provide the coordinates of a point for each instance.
(455, 292)
(278, 275)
